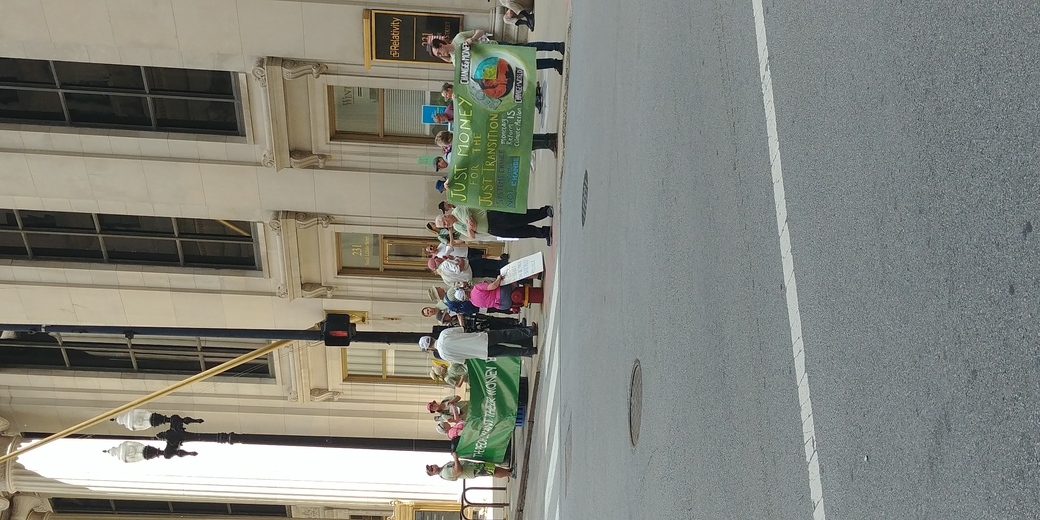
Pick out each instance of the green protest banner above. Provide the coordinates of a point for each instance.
(494, 121)
(493, 395)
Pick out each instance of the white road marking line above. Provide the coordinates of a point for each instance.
(551, 356)
(550, 415)
(550, 481)
(551, 319)
(783, 230)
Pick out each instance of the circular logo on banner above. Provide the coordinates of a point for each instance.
(494, 76)
(497, 83)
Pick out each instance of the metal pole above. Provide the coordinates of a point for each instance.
(306, 441)
(130, 332)
(269, 334)
(365, 443)
(366, 336)
(245, 358)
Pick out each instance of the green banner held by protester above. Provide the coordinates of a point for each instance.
(494, 121)
(494, 387)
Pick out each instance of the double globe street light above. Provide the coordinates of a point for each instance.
(140, 420)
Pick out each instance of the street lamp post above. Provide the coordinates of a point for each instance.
(177, 435)
(335, 331)
(138, 420)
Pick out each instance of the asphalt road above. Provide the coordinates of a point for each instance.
(909, 135)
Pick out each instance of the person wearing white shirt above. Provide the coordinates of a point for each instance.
(456, 345)
(462, 264)
(445, 250)
(452, 270)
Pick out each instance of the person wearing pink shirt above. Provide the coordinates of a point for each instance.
(492, 295)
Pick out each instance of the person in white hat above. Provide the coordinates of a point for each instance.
(456, 345)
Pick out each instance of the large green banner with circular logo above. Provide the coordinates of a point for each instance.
(494, 120)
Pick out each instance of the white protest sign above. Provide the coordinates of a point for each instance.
(522, 268)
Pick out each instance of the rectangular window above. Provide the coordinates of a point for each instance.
(112, 353)
(382, 115)
(119, 96)
(385, 365)
(435, 515)
(127, 239)
(107, 506)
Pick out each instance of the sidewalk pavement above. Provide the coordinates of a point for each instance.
(536, 444)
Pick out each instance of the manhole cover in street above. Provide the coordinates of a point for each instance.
(635, 403)
(584, 196)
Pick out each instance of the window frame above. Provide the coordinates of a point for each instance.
(107, 506)
(362, 318)
(385, 378)
(180, 239)
(235, 98)
(381, 137)
(197, 352)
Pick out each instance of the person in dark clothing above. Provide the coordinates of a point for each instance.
(471, 221)
(482, 322)
(544, 142)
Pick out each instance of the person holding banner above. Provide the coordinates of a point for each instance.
(456, 469)
(445, 50)
(452, 431)
(454, 238)
(538, 142)
(446, 207)
(471, 221)
(451, 409)
(439, 164)
(456, 345)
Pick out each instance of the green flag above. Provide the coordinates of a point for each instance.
(494, 121)
(493, 395)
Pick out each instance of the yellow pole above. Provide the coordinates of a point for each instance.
(234, 228)
(151, 397)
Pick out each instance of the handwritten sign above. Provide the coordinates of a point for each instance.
(522, 268)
